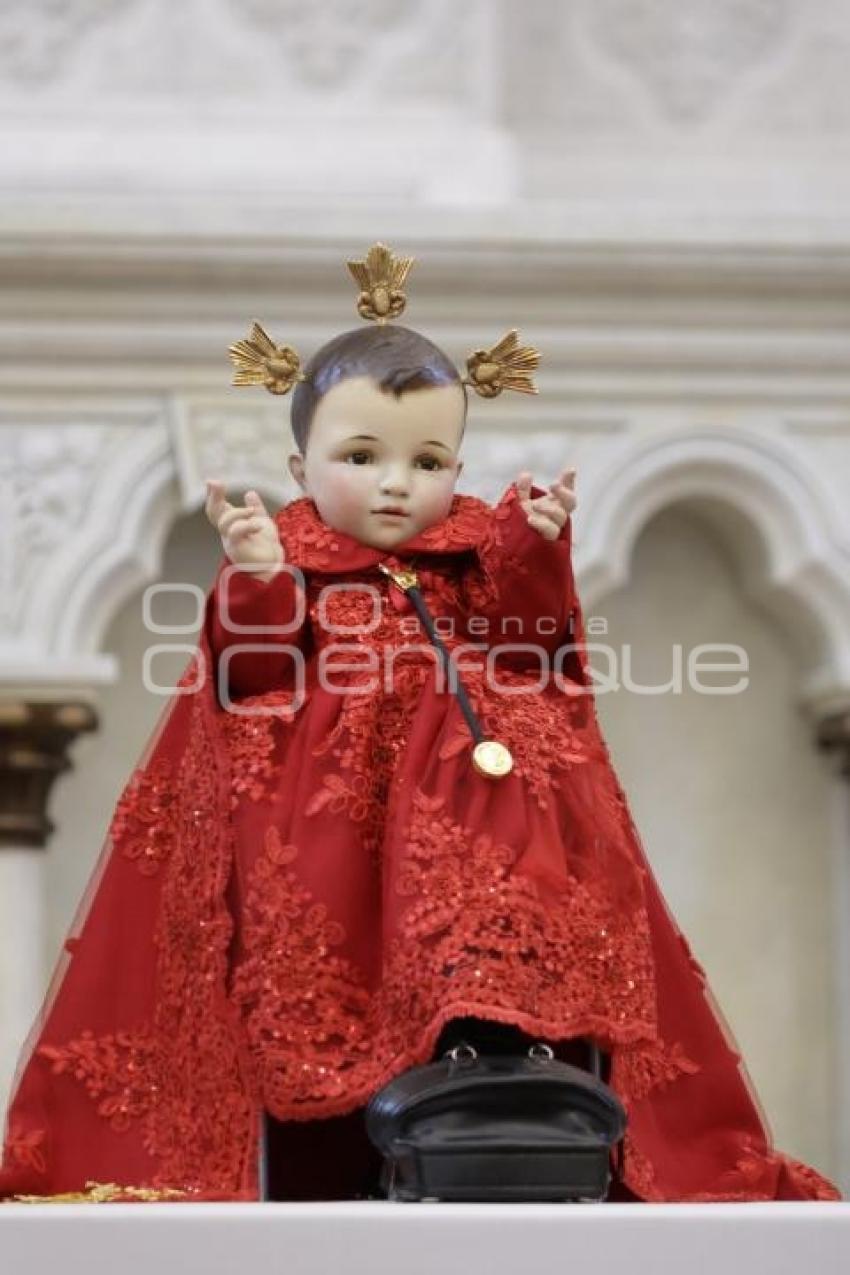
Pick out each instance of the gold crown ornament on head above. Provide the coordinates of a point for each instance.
(381, 277)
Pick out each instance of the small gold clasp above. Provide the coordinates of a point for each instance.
(405, 579)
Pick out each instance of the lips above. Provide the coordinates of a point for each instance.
(392, 509)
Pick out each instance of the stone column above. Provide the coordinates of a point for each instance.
(34, 741)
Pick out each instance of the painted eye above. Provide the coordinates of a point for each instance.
(358, 458)
(430, 462)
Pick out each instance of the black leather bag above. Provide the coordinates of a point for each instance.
(496, 1127)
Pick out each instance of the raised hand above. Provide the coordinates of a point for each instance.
(248, 532)
(547, 514)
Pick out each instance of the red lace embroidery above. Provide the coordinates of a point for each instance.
(370, 735)
(369, 748)
(115, 1069)
(251, 742)
(308, 540)
(756, 1168)
(481, 586)
(146, 816)
(814, 1185)
(475, 937)
(536, 726)
(643, 1066)
(638, 1173)
(303, 1005)
(467, 522)
(180, 1075)
(144, 821)
(25, 1147)
(569, 958)
(753, 1176)
(312, 545)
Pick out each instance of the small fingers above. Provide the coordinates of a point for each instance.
(254, 501)
(544, 525)
(523, 485)
(551, 507)
(233, 515)
(222, 514)
(565, 496)
(216, 503)
(241, 528)
(566, 478)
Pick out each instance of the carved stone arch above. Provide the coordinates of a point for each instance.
(117, 550)
(767, 505)
(140, 494)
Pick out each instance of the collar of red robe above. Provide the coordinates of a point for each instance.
(314, 546)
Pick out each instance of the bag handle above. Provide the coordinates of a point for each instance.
(463, 1055)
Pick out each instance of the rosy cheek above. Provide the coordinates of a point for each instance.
(344, 488)
(442, 498)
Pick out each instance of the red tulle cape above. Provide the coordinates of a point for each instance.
(288, 908)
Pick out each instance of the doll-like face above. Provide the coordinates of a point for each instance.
(368, 451)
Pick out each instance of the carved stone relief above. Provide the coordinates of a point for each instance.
(241, 445)
(48, 474)
(250, 53)
(812, 96)
(326, 45)
(38, 37)
(690, 55)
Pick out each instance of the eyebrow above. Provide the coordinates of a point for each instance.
(370, 438)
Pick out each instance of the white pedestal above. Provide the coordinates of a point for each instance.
(380, 1238)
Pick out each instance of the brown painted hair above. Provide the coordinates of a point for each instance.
(397, 359)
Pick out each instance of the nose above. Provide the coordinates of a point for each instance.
(394, 481)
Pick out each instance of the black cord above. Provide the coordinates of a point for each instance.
(415, 595)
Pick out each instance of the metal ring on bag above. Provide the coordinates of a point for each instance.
(463, 1055)
(541, 1052)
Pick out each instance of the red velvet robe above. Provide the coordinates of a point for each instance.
(290, 905)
